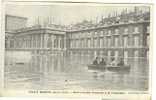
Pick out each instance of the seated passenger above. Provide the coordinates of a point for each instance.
(121, 63)
(102, 62)
(113, 62)
(95, 62)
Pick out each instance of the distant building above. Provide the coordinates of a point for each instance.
(14, 22)
(125, 35)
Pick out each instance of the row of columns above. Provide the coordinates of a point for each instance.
(135, 40)
(39, 41)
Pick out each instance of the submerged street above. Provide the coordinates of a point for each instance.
(57, 72)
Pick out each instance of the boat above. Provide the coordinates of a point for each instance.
(19, 63)
(96, 67)
(109, 68)
(119, 68)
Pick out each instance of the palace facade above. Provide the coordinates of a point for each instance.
(125, 35)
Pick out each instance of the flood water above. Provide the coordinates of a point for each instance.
(58, 72)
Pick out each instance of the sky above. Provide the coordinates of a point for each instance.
(64, 14)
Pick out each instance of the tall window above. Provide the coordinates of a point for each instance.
(116, 31)
(101, 42)
(148, 29)
(89, 43)
(108, 42)
(116, 54)
(125, 41)
(136, 54)
(116, 41)
(147, 54)
(95, 43)
(136, 41)
(109, 53)
(109, 32)
(126, 31)
(148, 40)
(96, 33)
(126, 57)
(76, 44)
(136, 30)
(109, 56)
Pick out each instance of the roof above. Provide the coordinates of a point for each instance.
(8, 15)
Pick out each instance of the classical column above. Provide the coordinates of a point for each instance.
(45, 40)
(41, 40)
(52, 42)
(92, 39)
(65, 41)
(32, 41)
(58, 42)
(35, 41)
(8, 43)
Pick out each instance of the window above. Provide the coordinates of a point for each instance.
(88, 34)
(136, 30)
(136, 54)
(126, 57)
(101, 33)
(109, 32)
(116, 54)
(101, 42)
(96, 34)
(80, 45)
(116, 31)
(109, 42)
(148, 41)
(136, 41)
(95, 43)
(148, 29)
(126, 31)
(109, 56)
(104, 32)
(109, 53)
(147, 54)
(116, 41)
(89, 44)
(125, 41)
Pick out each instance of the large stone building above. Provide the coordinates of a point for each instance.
(125, 35)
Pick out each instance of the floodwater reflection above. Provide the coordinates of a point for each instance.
(55, 71)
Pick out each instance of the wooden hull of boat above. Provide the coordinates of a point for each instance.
(97, 67)
(119, 68)
(110, 68)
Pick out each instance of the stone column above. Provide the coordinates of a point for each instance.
(92, 41)
(45, 40)
(8, 43)
(65, 39)
(52, 41)
(58, 42)
(41, 41)
(32, 41)
(141, 38)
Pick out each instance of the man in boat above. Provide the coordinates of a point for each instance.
(102, 62)
(113, 62)
(95, 62)
(121, 62)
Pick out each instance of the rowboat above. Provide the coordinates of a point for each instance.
(97, 67)
(119, 68)
(109, 67)
(19, 63)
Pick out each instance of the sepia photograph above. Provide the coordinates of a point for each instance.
(77, 46)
